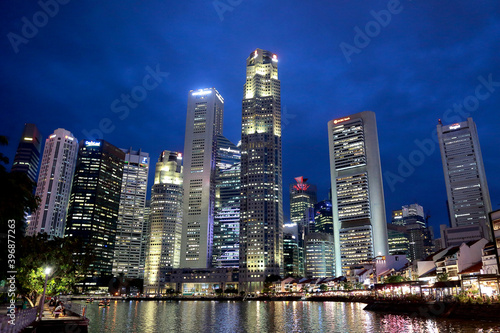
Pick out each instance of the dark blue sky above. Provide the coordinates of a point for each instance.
(424, 58)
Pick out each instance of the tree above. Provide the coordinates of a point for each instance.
(16, 199)
(393, 279)
(443, 277)
(38, 252)
(323, 287)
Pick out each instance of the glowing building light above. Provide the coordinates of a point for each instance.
(201, 92)
(454, 126)
(336, 121)
(92, 144)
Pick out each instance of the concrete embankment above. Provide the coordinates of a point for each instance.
(439, 309)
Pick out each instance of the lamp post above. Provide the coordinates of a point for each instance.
(42, 300)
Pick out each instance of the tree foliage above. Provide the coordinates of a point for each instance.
(38, 252)
(16, 199)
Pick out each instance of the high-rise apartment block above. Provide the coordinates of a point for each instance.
(261, 226)
(54, 184)
(94, 204)
(360, 229)
(129, 256)
(165, 222)
(466, 187)
(203, 124)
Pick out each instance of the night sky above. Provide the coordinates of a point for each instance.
(410, 69)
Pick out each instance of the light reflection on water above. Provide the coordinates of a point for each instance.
(233, 317)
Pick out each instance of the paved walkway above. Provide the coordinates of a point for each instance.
(47, 315)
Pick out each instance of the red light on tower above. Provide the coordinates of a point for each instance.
(301, 184)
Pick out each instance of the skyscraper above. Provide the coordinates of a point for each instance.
(261, 226)
(28, 151)
(54, 184)
(468, 196)
(203, 123)
(227, 205)
(94, 203)
(302, 197)
(360, 229)
(302, 201)
(129, 256)
(290, 255)
(323, 217)
(319, 256)
(165, 219)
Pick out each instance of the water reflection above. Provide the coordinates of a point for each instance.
(257, 316)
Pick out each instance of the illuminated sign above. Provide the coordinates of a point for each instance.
(255, 54)
(52, 136)
(145, 160)
(28, 139)
(69, 138)
(336, 121)
(275, 57)
(202, 92)
(454, 126)
(301, 185)
(92, 144)
(179, 156)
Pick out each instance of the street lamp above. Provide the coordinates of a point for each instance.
(42, 300)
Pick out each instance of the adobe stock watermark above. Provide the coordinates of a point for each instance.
(222, 6)
(40, 19)
(426, 147)
(285, 117)
(121, 106)
(372, 29)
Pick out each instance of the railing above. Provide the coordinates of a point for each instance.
(22, 320)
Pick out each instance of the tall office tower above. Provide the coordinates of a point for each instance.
(323, 217)
(359, 225)
(261, 226)
(129, 256)
(146, 230)
(94, 204)
(302, 197)
(397, 217)
(227, 205)
(290, 255)
(54, 184)
(319, 256)
(302, 200)
(28, 151)
(203, 123)
(165, 219)
(468, 196)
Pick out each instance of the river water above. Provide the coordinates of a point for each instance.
(259, 316)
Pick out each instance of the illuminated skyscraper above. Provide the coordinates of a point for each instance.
(468, 196)
(290, 255)
(360, 229)
(227, 205)
(261, 227)
(54, 184)
(128, 257)
(94, 203)
(319, 257)
(203, 124)
(302, 201)
(165, 220)
(27, 156)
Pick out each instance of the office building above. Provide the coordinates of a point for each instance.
(466, 187)
(261, 226)
(129, 257)
(302, 197)
(226, 238)
(323, 219)
(203, 124)
(165, 222)
(290, 255)
(28, 151)
(398, 240)
(94, 204)
(54, 184)
(360, 229)
(319, 255)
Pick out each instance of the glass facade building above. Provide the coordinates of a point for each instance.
(94, 203)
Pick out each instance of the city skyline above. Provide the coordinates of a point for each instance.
(408, 99)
